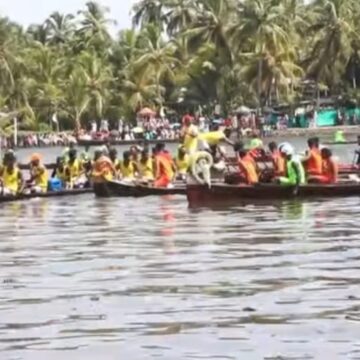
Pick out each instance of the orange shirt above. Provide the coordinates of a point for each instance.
(330, 170)
(313, 165)
(279, 163)
(164, 166)
(248, 168)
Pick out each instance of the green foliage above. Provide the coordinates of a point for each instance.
(181, 54)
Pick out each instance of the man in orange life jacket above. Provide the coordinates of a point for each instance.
(247, 167)
(165, 168)
(313, 160)
(278, 161)
(329, 173)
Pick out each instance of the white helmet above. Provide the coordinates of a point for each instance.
(287, 149)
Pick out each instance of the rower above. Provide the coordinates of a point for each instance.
(10, 176)
(146, 166)
(38, 182)
(165, 168)
(247, 168)
(116, 162)
(295, 173)
(103, 168)
(182, 162)
(127, 167)
(190, 135)
(74, 170)
(313, 162)
(329, 174)
(278, 160)
(59, 171)
(134, 154)
(256, 142)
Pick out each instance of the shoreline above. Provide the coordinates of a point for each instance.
(320, 131)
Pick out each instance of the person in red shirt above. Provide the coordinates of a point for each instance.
(313, 160)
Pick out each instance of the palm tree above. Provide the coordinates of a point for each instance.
(60, 27)
(180, 14)
(333, 32)
(147, 12)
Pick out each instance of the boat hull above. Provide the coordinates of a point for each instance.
(118, 189)
(49, 194)
(198, 195)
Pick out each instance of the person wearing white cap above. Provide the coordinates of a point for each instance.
(295, 173)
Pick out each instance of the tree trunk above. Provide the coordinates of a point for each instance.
(354, 77)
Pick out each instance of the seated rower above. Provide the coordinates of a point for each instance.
(74, 171)
(10, 176)
(103, 168)
(116, 162)
(165, 168)
(313, 162)
(59, 171)
(182, 163)
(294, 170)
(277, 159)
(38, 182)
(247, 168)
(127, 167)
(329, 173)
(146, 166)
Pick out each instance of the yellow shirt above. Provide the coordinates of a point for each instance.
(11, 180)
(127, 171)
(146, 169)
(191, 139)
(183, 165)
(213, 137)
(41, 176)
(74, 169)
(61, 175)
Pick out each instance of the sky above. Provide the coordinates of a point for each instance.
(28, 12)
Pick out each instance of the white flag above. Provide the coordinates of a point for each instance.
(55, 119)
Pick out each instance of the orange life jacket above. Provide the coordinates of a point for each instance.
(279, 163)
(164, 166)
(313, 165)
(248, 168)
(330, 170)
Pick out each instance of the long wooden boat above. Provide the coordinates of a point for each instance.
(198, 195)
(49, 194)
(119, 189)
(110, 141)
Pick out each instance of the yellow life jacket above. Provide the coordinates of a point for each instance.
(11, 180)
(183, 164)
(191, 139)
(146, 169)
(213, 137)
(41, 176)
(61, 175)
(74, 169)
(127, 171)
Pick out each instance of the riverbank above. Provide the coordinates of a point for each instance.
(326, 132)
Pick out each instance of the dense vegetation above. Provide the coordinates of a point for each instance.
(180, 54)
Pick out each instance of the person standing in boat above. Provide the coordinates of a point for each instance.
(165, 169)
(38, 182)
(190, 135)
(294, 170)
(11, 178)
(212, 140)
(182, 163)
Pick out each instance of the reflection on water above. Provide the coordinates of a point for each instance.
(148, 278)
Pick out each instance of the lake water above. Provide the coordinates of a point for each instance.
(87, 278)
